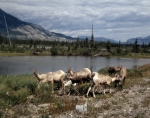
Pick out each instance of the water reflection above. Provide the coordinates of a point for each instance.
(26, 64)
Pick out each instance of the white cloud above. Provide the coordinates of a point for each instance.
(119, 20)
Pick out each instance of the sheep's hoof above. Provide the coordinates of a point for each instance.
(86, 96)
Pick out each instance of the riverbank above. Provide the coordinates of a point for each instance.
(47, 53)
(20, 97)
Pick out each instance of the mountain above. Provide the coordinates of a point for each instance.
(140, 40)
(99, 39)
(23, 30)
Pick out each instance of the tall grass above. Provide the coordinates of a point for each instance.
(16, 89)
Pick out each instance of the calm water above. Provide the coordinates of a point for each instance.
(43, 64)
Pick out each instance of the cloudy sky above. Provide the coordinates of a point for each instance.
(115, 19)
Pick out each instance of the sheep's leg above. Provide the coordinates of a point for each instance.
(52, 86)
(38, 85)
(76, 90)
(69, 93)
(109, 89)
(88, 91)
(94, 87)
(104, 89)
(124, 81)
(63, 86)
(70, 90)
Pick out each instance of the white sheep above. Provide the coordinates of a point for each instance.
(79, 76)
(41, 78)
(51, 77)
(99, 79)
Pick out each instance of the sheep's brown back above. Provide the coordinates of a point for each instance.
(56, 76)
(84, 73)
(123, 72)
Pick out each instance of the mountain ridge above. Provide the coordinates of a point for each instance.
(20, 29)
(99, 39)
(140, 40)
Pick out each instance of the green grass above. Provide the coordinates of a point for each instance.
(15, 89)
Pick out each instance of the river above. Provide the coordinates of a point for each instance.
(12, 65)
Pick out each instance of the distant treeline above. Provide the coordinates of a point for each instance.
(85, 47)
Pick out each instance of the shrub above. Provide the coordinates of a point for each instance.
(103, 71)
(19, 96)
(4, 98)
(44, 93)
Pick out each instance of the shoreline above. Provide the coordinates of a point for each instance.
(136, 56)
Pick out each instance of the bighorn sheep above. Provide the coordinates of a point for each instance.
(41, 78)
(79, 76)
(122, 75)
(112, 70)
(50, 77)
(102, 80)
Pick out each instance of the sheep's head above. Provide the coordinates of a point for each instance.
(35, 73)
(93, 74)
(68, 73)
(69, 70)
(118, 77)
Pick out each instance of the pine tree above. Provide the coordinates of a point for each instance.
(108, 46)
(136, 47)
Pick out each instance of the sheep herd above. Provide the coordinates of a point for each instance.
(69, 78)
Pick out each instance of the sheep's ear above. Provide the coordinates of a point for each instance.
(70, 69)
(35, 71)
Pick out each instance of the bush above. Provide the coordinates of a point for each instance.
(103, 71)
(54, 51)
(21, 81)
(44, 93)
(16, 89)
(4, 90)
(19, 96)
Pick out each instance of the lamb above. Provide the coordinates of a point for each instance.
(51, 77)
(102, 80)
(113, 70)
(79, 76)
(70, 84)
